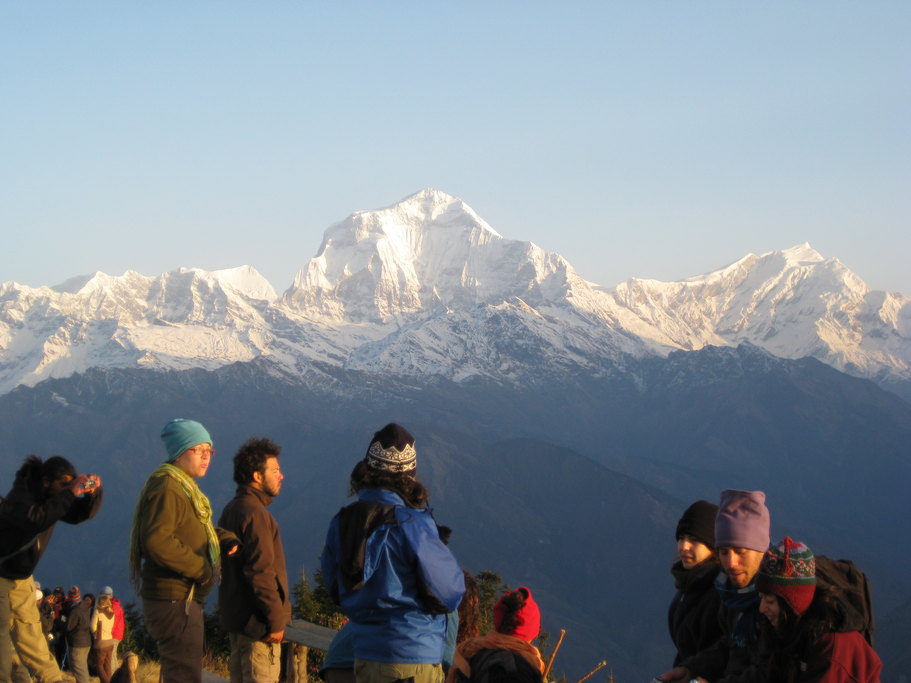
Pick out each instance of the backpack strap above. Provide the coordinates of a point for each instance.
(356, 523)
(22, 549)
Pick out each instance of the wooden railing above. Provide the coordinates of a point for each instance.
(301, 636)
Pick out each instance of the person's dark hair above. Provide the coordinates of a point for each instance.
(820, 618)
(252, 456)
(469, 610)
(55, 467)
(413, 492)
(512, 602)
(90, 597)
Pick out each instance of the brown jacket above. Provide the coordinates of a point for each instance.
(174, 545)
(253, 597)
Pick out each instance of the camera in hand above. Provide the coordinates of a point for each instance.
(90, 484)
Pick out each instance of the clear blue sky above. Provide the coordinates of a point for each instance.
(637, 139)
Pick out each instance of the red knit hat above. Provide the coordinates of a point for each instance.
(788, 570)
(527, 617)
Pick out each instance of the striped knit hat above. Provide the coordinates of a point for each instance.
(788, 570)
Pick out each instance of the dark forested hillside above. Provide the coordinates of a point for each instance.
(573, 487)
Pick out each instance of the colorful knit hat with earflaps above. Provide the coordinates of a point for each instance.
(788, 570)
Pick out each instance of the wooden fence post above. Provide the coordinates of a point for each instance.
(296, 664)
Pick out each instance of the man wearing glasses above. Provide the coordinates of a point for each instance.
(175, 550)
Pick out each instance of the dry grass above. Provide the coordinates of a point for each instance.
(149, 672)
(219, 667)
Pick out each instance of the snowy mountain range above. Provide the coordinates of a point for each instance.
(427, 288)
(527, 385)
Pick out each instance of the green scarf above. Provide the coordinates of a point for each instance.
(201, 507)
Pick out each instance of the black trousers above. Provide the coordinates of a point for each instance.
(178, 630)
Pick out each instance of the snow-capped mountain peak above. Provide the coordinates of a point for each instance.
(428, 251)
(245, 280)
(802, 254)
(793, 303)
(96, 281)
(427, 206)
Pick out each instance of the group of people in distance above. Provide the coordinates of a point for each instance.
(74, 624)
(746, 610)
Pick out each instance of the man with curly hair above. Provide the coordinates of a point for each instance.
(253, 599)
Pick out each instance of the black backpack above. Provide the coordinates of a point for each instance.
(850, 590)
(500, 666)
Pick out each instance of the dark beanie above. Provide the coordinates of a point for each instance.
(698, 521)
(392, 450)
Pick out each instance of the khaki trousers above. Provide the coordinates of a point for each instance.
(23, 644)
(253, 661)
(368, 671)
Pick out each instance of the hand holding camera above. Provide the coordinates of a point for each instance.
(86, 484)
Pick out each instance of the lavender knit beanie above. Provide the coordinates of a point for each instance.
(742, 521)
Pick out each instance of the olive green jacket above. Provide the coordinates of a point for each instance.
(174, 546)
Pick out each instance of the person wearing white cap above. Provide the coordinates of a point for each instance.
(120, 625)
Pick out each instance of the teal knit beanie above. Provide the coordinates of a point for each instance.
(179, 435)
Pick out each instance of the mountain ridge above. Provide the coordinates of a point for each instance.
(426, 287)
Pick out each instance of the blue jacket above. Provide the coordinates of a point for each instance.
(398, 599)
